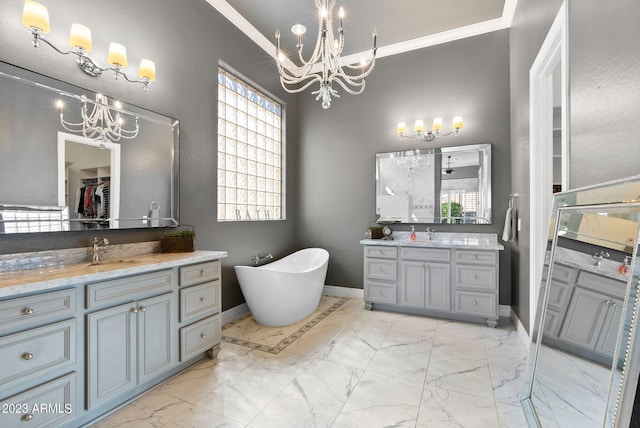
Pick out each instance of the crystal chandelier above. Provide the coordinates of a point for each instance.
(325, 65)
(101, 124)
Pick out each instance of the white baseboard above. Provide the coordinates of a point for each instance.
(234, 313)
(332, 290)
(504, 311)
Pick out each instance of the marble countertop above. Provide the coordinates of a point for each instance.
(53, 276)
(586, 263)
(476, 241)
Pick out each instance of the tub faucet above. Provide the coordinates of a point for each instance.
(599, 256)
(258, 257)
(97, 243)
(430, 232)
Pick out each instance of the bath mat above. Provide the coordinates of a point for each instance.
(247, 322)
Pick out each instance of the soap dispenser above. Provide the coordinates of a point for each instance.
(413, 233)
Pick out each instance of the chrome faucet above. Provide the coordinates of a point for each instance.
(430, 232)
(599, 256)
(258, 257)
(97, 243)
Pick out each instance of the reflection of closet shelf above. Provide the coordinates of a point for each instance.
(95, 173)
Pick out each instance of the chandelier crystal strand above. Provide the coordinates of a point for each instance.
(100, 124)
(325, 66)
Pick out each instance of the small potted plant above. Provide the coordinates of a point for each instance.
(179, 241)
(376, 230)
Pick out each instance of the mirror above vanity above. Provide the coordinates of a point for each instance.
(584, 363)
(435, 185)
(55, 176)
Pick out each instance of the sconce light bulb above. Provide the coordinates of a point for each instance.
(281, 56)
(341, 12)
(59, 104)
(117, 104)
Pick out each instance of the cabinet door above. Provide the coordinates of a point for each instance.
(438, 286)
(609, 332)
(111, 366)
(156, 336)
(412, 286)
(584, 318)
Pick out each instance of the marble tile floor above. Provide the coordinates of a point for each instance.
(354, 368)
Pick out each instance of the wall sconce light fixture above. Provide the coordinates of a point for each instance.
(435, 132)
(35, 17)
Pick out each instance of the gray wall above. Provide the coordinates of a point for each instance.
(186, 39)
(468, 77)
(604, 83)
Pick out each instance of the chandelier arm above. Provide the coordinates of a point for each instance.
(297, 89)
(350, 89)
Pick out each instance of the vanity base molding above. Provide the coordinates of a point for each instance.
(432, 314)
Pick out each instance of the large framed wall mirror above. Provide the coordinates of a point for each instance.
(584, 359)
(435, 185)
(53, 179)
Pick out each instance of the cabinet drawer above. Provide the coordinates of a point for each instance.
(129, 288)
(426, 254)
(197, 274)
(25, 311)
(562, 273)
(380, 292)
(33, 353)
(381, 269)
(381, 252)
(602, 284)
(199, 336)
(477, 277)
(559, 294)
(472, 303)
(199, 299)
(477, 257)
(50, 404)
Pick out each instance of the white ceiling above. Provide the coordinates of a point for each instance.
(402, 25)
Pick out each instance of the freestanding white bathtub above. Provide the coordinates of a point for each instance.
(285, 291)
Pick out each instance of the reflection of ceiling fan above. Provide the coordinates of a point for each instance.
(449, 170)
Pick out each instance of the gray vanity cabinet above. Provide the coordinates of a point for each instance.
(455, 283)
(425, 278)
(583, 312)
(133, 342)
(592, 321)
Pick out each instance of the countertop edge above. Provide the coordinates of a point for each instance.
(432, 244)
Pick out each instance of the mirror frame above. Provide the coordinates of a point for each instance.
(57, 215)
(484, 184)
(619, 193)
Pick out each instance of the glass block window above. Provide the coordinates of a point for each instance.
(250, 152)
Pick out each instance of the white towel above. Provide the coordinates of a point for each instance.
(508, 234)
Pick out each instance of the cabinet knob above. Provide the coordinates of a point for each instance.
(27, 356)
(27, 417)
(203, 336)
(475, 302)
(475, 257)
(134, 310)
(203, 299)
(607, 302)
(202, 272)
(142, 308)
(615, 305)
(27, 311)
(475, 276)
